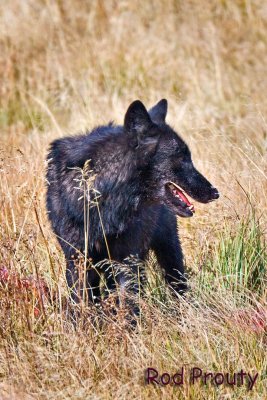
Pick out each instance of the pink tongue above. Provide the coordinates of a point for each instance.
(183, 197)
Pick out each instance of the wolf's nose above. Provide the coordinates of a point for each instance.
(215, 194)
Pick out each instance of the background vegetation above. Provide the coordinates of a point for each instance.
(67, 66)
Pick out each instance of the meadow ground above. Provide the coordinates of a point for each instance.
(68, 66)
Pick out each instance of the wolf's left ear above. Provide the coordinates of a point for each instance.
(143, 134)
(159, 111)
(137, 120)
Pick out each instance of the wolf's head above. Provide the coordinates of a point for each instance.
(165, 160)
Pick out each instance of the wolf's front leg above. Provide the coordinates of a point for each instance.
(168, 250)
(82, 287)
(128, 272)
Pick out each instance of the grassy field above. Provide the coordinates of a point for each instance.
(68, 66)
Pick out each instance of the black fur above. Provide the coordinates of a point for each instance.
(132, 165)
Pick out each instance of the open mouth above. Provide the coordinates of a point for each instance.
(179, 200)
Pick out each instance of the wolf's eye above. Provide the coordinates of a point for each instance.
(182, 154)
(179, 157)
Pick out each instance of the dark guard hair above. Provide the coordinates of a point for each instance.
(140, 174)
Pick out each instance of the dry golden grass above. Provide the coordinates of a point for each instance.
(68, 66)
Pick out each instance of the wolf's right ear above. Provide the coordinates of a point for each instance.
(159, 111)
(137, 120)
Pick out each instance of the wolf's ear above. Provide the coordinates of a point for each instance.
(159, 111)
(137, 120)
(142, 132)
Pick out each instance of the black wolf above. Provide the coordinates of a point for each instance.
(140, 173)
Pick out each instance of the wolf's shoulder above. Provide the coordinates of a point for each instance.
(89, 137)
(74, 148)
